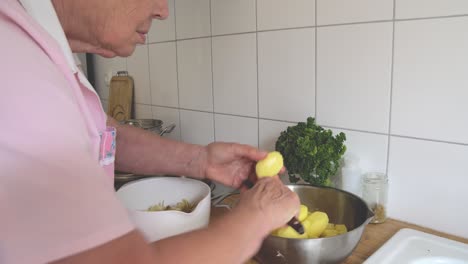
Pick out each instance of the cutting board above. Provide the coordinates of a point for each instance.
(120, 97)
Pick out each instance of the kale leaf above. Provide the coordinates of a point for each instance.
(311, 152)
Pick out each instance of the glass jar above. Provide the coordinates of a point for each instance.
(374, 192)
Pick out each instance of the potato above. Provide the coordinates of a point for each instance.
(329, 233)
(318, 222)
(269, 166)
(289, 232)
(315, 224)
(275, 232)
(303, 213)
(341, 229)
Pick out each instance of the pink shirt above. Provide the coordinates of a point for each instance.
(55, 198)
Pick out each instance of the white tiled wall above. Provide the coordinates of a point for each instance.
(137, 66)
(235, 74)
(194, 71)
(346, 11)
(229, 16)
(230, 128)
(193, 18)
(274, 14)
(163, 74)
(286, 76)
(430, 72)
(391, 74)
(354, 76)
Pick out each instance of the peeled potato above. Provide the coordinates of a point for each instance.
(303, 213)
(341, 229)
(315, 225)
(318, 223)
(275, 232)
(329, 233)
(289, 232)
(269, 166)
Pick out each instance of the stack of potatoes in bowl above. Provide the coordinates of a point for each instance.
(316, 225)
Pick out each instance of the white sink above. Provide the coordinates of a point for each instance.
(415, 247)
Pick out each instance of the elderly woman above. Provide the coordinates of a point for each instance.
(56, 198)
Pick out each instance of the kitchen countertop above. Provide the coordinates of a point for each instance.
(374, 236)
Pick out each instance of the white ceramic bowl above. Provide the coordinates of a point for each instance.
(138, 195)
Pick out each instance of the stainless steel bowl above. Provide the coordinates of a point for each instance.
(154, 125)
(342, 208)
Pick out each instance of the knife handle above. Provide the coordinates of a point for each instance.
(294, 222)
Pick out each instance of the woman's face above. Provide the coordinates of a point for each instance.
(127, 22)
(112, 27)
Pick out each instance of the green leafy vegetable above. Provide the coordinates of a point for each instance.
(311, 152)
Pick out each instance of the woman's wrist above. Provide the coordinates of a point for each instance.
(244, 226)
(255, 219)
(196, 166)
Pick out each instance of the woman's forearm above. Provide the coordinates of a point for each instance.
(232, 239)
(143, 152)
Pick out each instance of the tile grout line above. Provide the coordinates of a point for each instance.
(177, 71)
(258, 82)
(212, 76)
(316, 26)
(391, 90)
(431, 140)
(429, 18)
(316, 64)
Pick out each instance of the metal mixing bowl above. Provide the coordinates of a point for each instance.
(342, 208)
(154, 125)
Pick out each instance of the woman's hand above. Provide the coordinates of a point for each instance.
(269, 203)
(231, 163)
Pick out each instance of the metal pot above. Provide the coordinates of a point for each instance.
(342, 208)
(154, 125)
(121, 178)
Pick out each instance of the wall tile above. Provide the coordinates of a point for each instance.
(229, 16)
(104, 69)
(196, 127)
(163, 30)
(142, 111)
(236, 129)
(287, 78)
(137, 66)
(371, 149)
(430, 8)
(275, 14)
(354, 76)
(235, 75)
(430, 79)
(426, 182)
(345, 11)
(269, 131)
(163, 74)
(168, 116)
(192, 18)
(194, 71)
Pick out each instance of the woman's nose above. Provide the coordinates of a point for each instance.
(161, 10)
